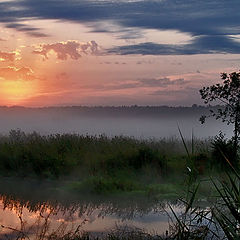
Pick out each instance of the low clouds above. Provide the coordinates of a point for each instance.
(31, 31)
(161, 82)
(200, 45)
(7, 56)
(13, 73)
(148, 83)
(63, 50)
(184, 92)
(68, 49)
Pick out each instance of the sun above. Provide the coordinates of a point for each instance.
(16, 91)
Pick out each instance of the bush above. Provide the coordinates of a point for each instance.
(147, 156)
(201, 161)
(222, 148)
(72, 154)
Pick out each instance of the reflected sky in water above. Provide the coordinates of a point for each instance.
(19, 216)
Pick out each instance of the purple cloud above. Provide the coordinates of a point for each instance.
(68, 49)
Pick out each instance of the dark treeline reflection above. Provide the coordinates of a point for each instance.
(40, 210)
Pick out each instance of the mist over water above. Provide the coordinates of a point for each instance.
(111, 123)
(40, 204)
(60, 202)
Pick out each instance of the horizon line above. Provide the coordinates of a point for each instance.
(110, 106)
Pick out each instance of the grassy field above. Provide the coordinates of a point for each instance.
(127, 168)
(99, 164)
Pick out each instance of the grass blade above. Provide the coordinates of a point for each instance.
(184, 143)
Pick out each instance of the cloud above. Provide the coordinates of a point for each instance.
(146, 83)
(116, 63)
(200, 45)
(186, 91)
(69, 49)
(186, 16)
(161, 82)
(183, 15)
(31, 31)
(7, 56)
(13, 73)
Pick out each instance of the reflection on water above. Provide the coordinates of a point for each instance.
(42, 210)
(19, 217)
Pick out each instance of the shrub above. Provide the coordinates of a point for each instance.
(201, 161)
(147, 156)
(222, 148)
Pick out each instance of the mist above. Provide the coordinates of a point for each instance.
(137, 122)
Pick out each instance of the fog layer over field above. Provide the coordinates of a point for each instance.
(139, 122)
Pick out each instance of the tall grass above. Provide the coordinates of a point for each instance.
(117, 164)
(227, 208)
(56, 155)
(221, 220)
(106, 164)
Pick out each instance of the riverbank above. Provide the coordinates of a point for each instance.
(120, 176)
(99, 164)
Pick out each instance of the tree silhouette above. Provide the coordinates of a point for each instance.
(228, 94)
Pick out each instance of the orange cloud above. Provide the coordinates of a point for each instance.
(71, 49)
(13, 73)
(7, 56)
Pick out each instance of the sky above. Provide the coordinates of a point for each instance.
(115, 52)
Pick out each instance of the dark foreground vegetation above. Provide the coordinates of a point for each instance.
(108, 165)
(159, 169)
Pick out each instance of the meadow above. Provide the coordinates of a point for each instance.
(103, 165)
(121, 168)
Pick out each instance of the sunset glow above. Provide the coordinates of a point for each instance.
(109, 55)
(16, 91)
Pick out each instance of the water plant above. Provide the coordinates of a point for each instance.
(219, 221)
